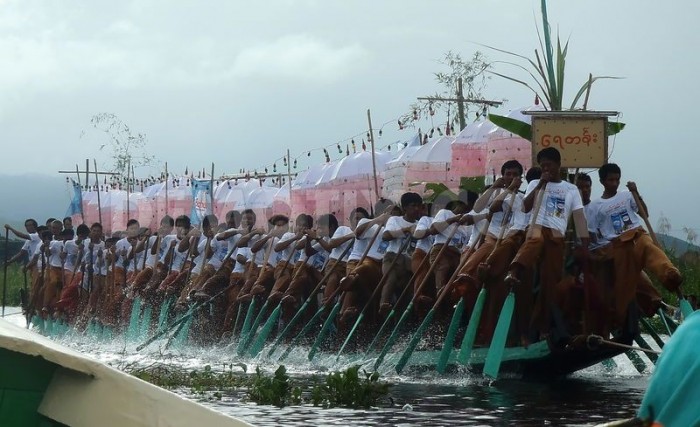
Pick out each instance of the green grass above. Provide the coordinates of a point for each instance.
(15, 282)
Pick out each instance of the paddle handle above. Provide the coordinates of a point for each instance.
(645, 217)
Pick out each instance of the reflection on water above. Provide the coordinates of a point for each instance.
(589, 397)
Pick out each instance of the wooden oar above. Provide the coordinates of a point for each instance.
(394, 333)
(336, 308)
(465, 349)
(392, 313)
(248, 333)
(378, 288)
(189, 313)
(494, 356)
(652, 332)
(686, 308)
(267, 328)
(406, 356)
(274, 316)
(4, 274)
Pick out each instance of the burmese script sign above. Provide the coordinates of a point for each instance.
(582, 141)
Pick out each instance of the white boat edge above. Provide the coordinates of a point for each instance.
(85, 392)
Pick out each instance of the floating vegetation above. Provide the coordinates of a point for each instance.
(347, 388)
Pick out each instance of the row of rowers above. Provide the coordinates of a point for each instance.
(470, 242)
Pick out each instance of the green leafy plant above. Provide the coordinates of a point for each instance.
(547, 71)
(350, 389)
(276, 390)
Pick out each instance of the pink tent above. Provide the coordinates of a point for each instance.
(395, 172)
(469, 152)
(430, 163)
(504, 146)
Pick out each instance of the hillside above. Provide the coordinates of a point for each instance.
(676, 245)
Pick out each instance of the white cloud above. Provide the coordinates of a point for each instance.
(300, 57)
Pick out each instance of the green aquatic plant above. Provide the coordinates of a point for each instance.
(274, 390)
(350, 389)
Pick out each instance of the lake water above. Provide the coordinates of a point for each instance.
(589, 397)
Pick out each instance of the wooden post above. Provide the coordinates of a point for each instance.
(77, 173)
(166, 187)
(460, 105)
(99, 204)
(128, 190)
(289, 177)
(211, 188)
(87, 173)
(374, 163)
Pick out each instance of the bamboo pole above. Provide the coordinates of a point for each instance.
(77, 173)
(99, 203)
(166, 188)
(374, 162)
(128, 189)
(211, 190)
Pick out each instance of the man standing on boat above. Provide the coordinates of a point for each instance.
(631, 247)
(398, 229)
(544, 246)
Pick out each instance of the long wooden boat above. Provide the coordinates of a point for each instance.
(43, 383)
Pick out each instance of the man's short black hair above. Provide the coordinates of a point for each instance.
(409, 198)
(534, 172)
(131, 222)
(50, 220)
(82, 230)
(31, 221)
(361, 210)
(512, 164)
(67, 233)
(46, 235)
(330, 220)
(607, 169)
(68, 219)
(183, 221)
(549, 153)
(96, 224)
(584, 177)
(168, 219)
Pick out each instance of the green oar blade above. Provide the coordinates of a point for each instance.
(450, 338)
(145, 325)
(414, 341)
(381, 330)
(645, 345)
(164, 311)
(686, 308)
(324, 330)
(132, 331)
(352, 332)
(494, 357)
(246, 327)
(259, 342)
(248, 338)
(636, 360)
(465, 350)
(289, 326)
(392, 338)
(303, 332)
(650, 330)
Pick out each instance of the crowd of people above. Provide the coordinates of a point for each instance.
(576, 265)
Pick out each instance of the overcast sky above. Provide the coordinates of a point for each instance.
(238, 83)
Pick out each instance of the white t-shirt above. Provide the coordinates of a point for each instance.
(99, 263)
(122, 244)
(341, 231)
(559, 201)
(70, 248)
(520, 220)
(394, 223)
(219, 251)
(617, 215)
(362, 241)
(461, 235)
(283, 255)
(165, 247)
(318, 259)
(240, 267)
(179, 258)
(502, 218)
(199, 259)
(425, 243)
(55, 249)
(40, 257)
(34, 242)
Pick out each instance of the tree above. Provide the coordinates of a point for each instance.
(663, 226)
(474, 77)
(691, 236)
(128, 148)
